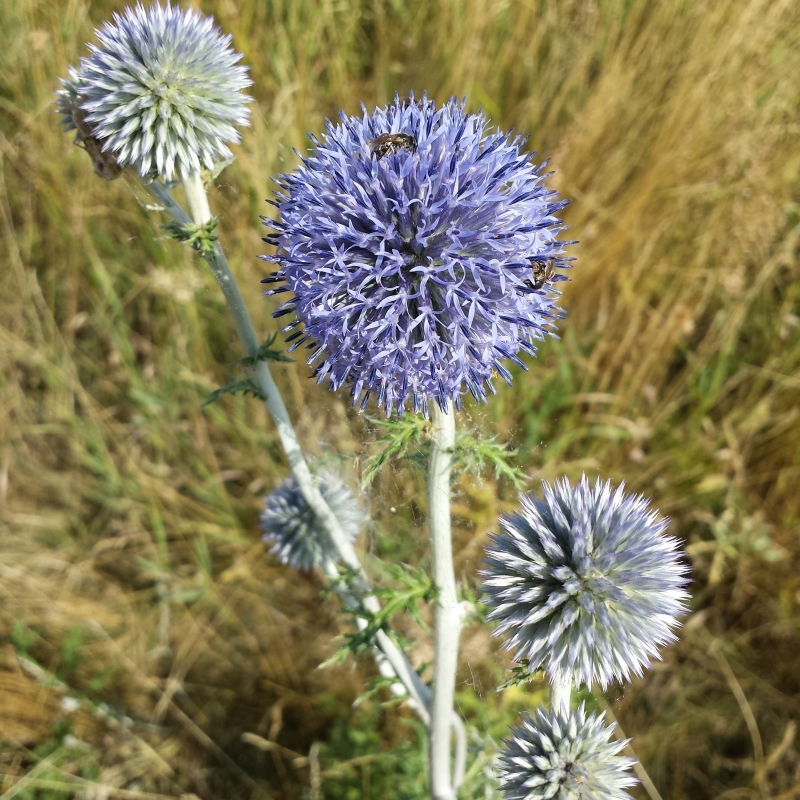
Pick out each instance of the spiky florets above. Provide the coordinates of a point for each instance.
(410, 238)
(68, 99)
(291, 527)
(161, 91)
(564, 757)
(585, 582)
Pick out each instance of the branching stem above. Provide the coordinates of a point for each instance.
(392, 657)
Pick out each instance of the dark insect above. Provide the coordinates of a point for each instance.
(104, 164)
(388, 143)
(541, 273)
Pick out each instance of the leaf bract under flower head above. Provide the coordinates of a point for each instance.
(408, 238)
(585, 583)
(161, 90)
(564, 756)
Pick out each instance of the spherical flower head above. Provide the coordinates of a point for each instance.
(564, 756)
(161, 90)
(585, 582)
(291, 527)
(420, 248)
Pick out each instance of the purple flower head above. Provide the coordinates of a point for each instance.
(419, 246)
(585, 582)
(564, 756)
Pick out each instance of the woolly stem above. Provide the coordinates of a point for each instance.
(560, 691)
(409, 681)
(201, 214)
(447, 619)
(420, 694)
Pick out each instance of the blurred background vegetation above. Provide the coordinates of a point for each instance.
(148, 645)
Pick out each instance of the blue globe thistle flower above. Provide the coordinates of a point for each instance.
(420, 248)
(161, 91)
(584, 582)
(564, 756)
(291, 527)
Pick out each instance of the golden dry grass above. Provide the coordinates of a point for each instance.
(130, 566)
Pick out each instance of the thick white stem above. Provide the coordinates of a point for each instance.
(447, 619)
(560, 691)
(196, 198)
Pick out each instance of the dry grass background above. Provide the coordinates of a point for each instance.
(143, 630)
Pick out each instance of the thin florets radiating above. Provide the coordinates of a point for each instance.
(292, 530)
(564, 756)
(409, 238)
(162, 92)
(585, 583)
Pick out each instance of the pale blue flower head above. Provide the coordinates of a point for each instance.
(162, 91)
(419, 245)
(564, 756)
(585, 583)
(292, 530)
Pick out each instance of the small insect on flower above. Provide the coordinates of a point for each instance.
(542, 272)
(73, 117)
(388, 143)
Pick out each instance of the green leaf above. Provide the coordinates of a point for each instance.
(246, 385)
(200, 237)
(473, 455)
(520, 675)
(210, 175)
(265, 353)
(401, 436)
(412, 585)
(374, 686)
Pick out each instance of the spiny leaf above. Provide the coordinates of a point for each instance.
(401, 435)
(473, 454)
(200, 237)
(246, 385)
(265, 353)
(520, 675)
(414, 585)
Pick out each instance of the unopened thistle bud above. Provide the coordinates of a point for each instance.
(292, 530)
(585, 583)
(564, 756)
